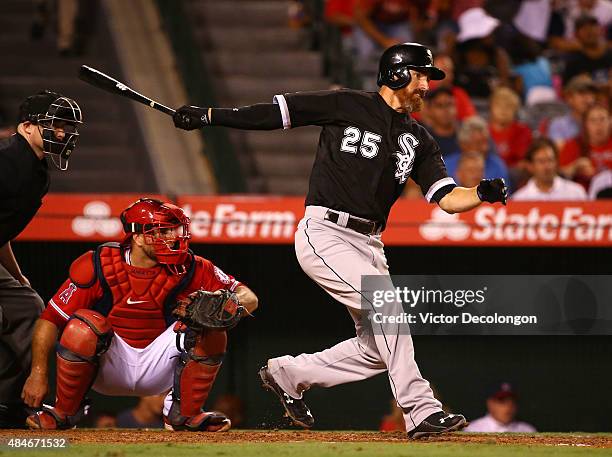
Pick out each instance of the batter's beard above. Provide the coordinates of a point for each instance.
(416, 103)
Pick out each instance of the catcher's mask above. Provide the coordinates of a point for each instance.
(165, 227)
(57, 118)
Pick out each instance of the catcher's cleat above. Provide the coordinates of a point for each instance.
(295, 408)
(211, 421)
(437, 423)
(49, 418)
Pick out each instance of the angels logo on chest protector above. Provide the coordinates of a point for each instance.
(405, 158)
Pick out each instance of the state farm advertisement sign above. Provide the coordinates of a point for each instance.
(273, 220)
(243, 219)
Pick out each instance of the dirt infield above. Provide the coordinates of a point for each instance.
(85, 436)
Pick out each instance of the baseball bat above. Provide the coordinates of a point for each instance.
(102, 81)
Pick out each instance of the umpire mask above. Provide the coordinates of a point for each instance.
(64, 114)
(57, 118)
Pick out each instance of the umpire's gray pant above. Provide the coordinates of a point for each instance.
(336, 258)
(20, 307)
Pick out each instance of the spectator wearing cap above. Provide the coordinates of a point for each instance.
(43, 130)
(579, 95)
(545, 183)
(440, 119)
(474, 138)
(590, 152)
(480, 61)
(594, 58)
(501, 413)
(511, 137)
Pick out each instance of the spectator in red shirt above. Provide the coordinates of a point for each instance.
(591, 152)
(511, 137)
(341, 13)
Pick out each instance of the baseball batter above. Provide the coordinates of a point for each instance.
(119, 335)
(368, 148)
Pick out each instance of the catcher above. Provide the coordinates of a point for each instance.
(143, 317)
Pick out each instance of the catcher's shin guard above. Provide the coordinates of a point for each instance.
(194, 376)
(86, 336)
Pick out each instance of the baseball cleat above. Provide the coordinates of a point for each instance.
(211, 421)
(295, 408)
(49, 418)
(437, 423)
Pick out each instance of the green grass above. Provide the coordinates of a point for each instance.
(311, 449)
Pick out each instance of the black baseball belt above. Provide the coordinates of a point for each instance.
(363, 226)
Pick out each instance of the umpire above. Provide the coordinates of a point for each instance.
(368, 148)
(47, 127)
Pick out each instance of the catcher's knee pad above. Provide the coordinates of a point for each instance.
(86, 336)
(195, 372)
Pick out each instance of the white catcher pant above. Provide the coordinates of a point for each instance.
(128, 371)
(335, 258)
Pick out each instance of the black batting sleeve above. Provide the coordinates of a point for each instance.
(262, 116)
(310, 108)
(287, 111)
(430, 171)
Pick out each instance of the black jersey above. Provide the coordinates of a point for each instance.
(366, 153)
(24, 180)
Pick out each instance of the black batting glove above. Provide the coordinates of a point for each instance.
(492, 190)
(191, 117)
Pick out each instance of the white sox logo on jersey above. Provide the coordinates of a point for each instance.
(405, 158)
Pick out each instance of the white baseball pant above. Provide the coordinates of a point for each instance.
(335, 258)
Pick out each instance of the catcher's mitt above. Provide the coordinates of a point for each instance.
(215, 310)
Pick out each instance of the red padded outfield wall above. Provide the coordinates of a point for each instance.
(272, 220)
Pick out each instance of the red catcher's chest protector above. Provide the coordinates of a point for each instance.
(137, 301)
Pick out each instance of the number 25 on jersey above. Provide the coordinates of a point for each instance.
(369, 143)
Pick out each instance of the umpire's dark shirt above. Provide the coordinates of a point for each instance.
(24, 181)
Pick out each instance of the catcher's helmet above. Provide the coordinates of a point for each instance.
(397, 61)
(166, 228)
(52, 111)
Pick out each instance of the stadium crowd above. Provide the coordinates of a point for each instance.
(527, 93)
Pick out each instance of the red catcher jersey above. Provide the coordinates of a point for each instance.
(138, 296)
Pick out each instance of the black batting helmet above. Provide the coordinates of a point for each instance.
(397, 61)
